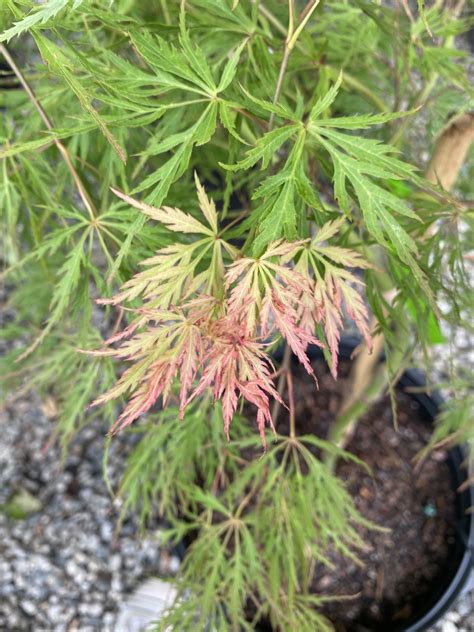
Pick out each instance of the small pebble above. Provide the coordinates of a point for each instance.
(449, 626)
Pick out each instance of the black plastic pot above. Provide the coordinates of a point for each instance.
(455, 580)
(445, 593)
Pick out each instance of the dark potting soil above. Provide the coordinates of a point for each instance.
(399, 567)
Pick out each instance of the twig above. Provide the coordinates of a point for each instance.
(291, 401)
(44, 117)
(281, 75)
(281, 382)
(351, 82)
(118, 321)
(291, 39)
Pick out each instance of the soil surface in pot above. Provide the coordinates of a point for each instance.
(399, 567)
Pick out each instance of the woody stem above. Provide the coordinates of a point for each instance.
(291, 39)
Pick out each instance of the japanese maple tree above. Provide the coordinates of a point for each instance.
(194, 195)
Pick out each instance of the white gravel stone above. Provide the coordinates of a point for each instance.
(449, 626)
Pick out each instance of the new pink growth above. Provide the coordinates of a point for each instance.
(172, 346)
(236, 365)
(218, 342)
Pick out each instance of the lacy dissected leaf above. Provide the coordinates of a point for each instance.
(185, 343)
(161, 345)
(174, 218)
(265, 296)
(236, 365)
(278, 215)
(265, 148)
(206, 340)
(61, 65)
(280, 218)
(171, 273)
(360, 162)
(183, 142)
(167, 278)
(328, 267)
(183, 68)
(43, 14)
(230, 68)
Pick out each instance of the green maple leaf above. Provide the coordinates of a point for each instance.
(48, 11)
(364, 162)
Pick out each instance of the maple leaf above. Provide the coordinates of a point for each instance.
(236, 365)
(170, 344)
(269, 295)
(285, 320)
(216, 340)
(183, 343)
(365, 163)
(251, 279)
(171, 272)
(332, 284)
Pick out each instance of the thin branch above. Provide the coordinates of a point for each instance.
(281, 382)
(306, 14)
(291, 401)
(292, 35)
(349, 80)
(279, 85)
(44, 117)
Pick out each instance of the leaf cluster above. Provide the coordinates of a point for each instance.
(235, 511)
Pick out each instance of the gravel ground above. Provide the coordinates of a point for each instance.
(63, 568)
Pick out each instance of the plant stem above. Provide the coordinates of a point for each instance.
(369, 381)
(291, 401)
(305, 15)
(281, 75)
(292, 35)
(285, 364)
(347, 78)
(166, 14)
(365, 383)
(343, 428)
(44, 117)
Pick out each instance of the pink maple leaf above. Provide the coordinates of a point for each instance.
(236, 365)
(170, 344)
